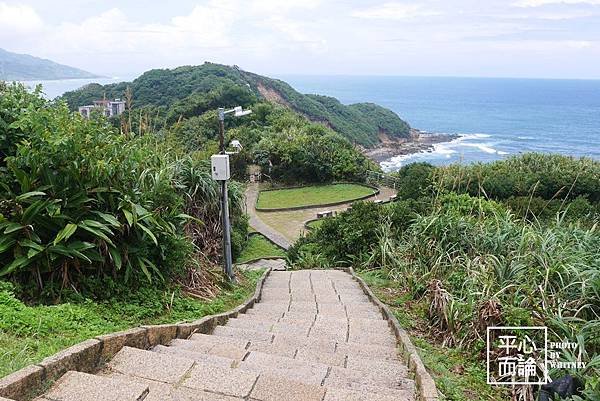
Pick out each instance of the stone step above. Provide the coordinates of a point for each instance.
(257, 324)
(349, 379)
(271, 388)
(211, 340)
(75, 386)
(367, 393)
(367, 350)
(150, 365)
(226, 350)
(265, 312)
(226, 381)
(243, 334)
(171, 392)
(196, 356)
(274, 365)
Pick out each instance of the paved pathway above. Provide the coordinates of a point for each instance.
(313, 337)
(257, 223)
(286, 227)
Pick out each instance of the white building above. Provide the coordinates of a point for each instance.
(110, 108)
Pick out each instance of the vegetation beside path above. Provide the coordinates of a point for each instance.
(311, 195)
(510, 243)
(30, 333)
(458, 375)
(258, 247)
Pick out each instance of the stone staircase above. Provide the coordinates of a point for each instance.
(314, 336)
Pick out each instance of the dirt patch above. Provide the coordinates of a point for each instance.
(272, 95)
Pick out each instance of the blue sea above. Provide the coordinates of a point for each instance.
(496, 117)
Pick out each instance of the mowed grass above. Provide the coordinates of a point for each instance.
(259, 247)
(312, 195)
(29, 334)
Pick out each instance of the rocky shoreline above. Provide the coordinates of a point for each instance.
(419, 141)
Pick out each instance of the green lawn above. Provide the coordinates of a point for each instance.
(28, 334)
(315, 224)
(458, 374)
(312, 195)
(259, 247)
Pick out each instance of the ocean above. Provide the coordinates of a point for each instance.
(496, 117)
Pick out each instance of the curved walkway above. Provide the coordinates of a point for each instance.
(285, 227)
(257, 223)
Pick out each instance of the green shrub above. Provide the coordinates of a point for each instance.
(80, 199)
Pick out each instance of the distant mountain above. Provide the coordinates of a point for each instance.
(364, 124)
(23, 67)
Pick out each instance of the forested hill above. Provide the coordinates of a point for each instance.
(184, 90)
(22, 67)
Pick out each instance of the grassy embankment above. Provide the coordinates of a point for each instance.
(457, 374)
(259, 247)
(311, 195)
(29, 333)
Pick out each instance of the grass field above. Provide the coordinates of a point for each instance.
(259, 247)
(28, 334)
(311, 196)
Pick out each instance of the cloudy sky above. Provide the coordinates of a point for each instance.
(512, 38)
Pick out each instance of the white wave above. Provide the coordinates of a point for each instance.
(503, 153)
(526, 138)
(486, 148)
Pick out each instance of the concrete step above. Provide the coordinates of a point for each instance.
(349, 379)
(243, 334)
(75, 386)
(226, 381)
(252, 324)
(211, 340)
(367, 350)
(171, 392)
(279, 366)
(367, 393)
(150, 365)
(196, 356)
(226, 350)
(270, 388)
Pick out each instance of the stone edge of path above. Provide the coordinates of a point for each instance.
(88, 356)
(426, 388)
(376, 192)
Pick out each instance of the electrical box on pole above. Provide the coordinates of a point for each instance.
(219, 167)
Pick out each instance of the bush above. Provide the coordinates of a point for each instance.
(81, 199)
(415, 180)
(531, 174)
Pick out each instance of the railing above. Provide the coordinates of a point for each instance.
(379, 178)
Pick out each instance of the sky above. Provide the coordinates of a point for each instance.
(489, 38)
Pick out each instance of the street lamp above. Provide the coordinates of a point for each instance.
(220, 172)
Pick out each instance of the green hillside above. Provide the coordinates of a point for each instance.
(187, 92)
(22, 67)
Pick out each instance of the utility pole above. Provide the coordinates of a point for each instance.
(220, 172)
(227, 259)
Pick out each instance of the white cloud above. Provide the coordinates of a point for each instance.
(394, 11)
(216, 30)
(18, 19)
(539, 3)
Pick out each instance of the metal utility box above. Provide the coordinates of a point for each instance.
(219, 166)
